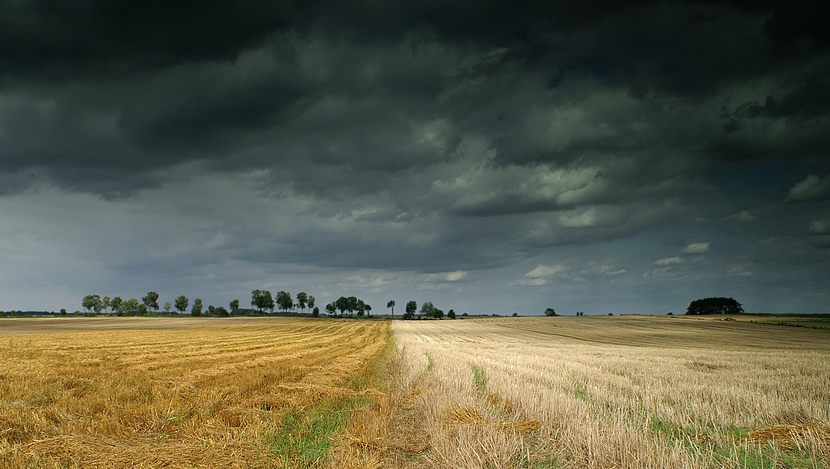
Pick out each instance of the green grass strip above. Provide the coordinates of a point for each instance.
(304, 436)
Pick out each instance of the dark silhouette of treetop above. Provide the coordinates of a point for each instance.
(719, 305)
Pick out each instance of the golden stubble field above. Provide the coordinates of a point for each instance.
(600, 392)
(187, 392)
(565, 392)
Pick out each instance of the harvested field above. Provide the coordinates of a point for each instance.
(182, 392)
(599, 392)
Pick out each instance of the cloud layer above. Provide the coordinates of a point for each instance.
(493, 156)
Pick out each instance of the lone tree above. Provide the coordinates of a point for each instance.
(302, 300)
(331, 308)
(234, 306)
(285, 301)
(391, 304)
(181, 303)
(550, 312)
(411, 307)
(428, 310)
(131, 306)
(151, 300)
(262, 299)
(117, 305)
(197, 307)
(719, 305)
(92, 303)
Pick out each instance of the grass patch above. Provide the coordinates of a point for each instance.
(479, 379)
(766, 457)
(304, 436)
(671, 432)
(580, 392)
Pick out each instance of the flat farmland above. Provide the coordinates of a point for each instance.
(183, 392)
(602, 392)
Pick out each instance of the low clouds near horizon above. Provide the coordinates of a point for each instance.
(489, 157)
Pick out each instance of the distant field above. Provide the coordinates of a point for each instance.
(49, 325)
(183, 392)
(600, 392)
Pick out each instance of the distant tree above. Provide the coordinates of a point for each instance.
(143, 310)
(197, 307)
(131, 306)
(285, 301)
(331, 308)
(105, 303)
(719, 305)
(117, 305)
(302, 300)
(391, 304)
(411, 307)
(368, 309)
(515, 315)
(311, 301)
(268, 301)
(438, 313)
(256, 296)
(361, 308)
(451, 314)
(167, 306)
(151, 300)
(92, 303)
(352, 304)
(262, 299)
(181, 303)
(427, 309)
(222, 312)
(315, 312)
(342, 304)
(63, 311)
(211, 310)
(234, 306)
(550, 312)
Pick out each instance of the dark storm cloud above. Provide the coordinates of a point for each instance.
(182, 81)
(48, 39)
(435, 136)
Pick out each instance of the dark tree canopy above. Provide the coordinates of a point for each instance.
(285, 301)
(262, 299)
(717, 305)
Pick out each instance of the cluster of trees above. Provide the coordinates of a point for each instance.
(132, 306)
(351, 304)
(428, 310)
(150, 304)
(719, 305)
(262, 300)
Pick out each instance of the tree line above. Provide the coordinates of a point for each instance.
(261, 301)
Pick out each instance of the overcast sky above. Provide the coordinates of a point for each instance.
(488, 156)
